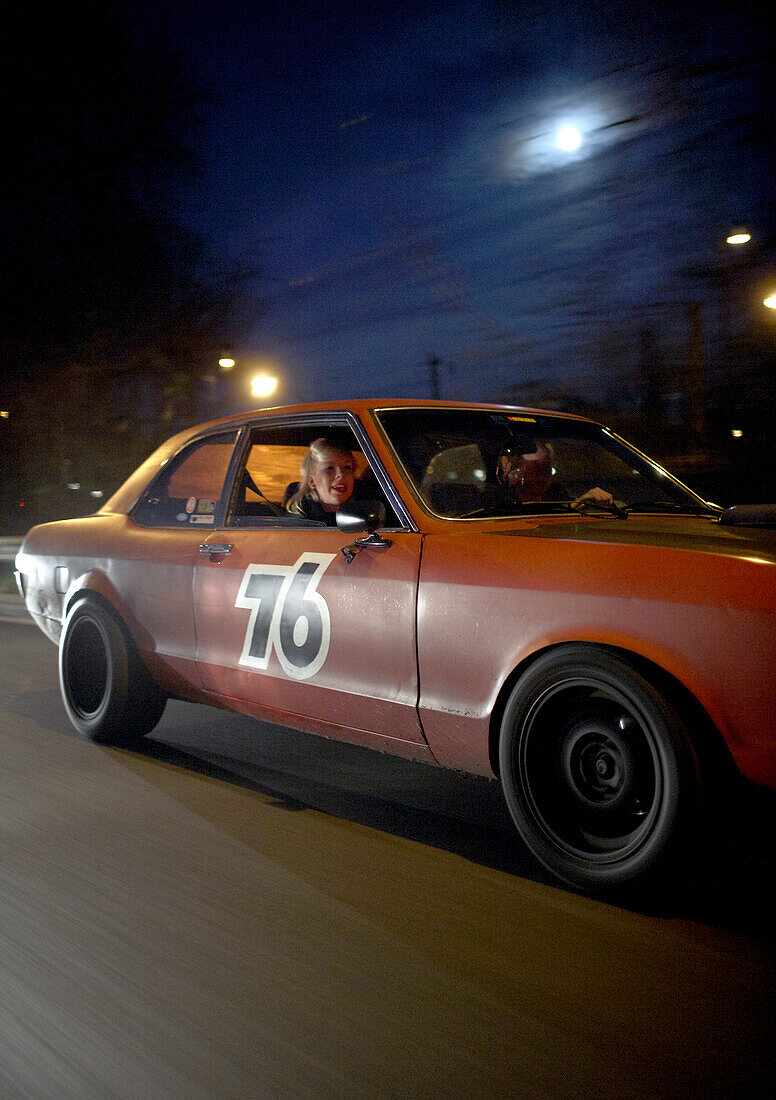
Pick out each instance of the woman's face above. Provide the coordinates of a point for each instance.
(333, 478)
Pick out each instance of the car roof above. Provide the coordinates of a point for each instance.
(363, 404)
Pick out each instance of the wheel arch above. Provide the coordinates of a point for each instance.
(713, 754)
(97, 587)
(108, 692)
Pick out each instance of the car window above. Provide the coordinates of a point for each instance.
(578, 460)
(272, 473)
(469, 463)
(189, 492)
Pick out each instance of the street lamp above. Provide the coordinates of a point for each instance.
(263, 385)
(739, 237)
(226, 362)
(770, 301)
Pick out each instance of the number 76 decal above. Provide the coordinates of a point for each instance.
(287, 615)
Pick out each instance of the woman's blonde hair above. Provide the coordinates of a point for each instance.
(317, 452)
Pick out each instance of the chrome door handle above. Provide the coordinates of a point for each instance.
(216, 548)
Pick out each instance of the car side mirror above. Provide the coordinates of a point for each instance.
(362, 515)
(749, 515)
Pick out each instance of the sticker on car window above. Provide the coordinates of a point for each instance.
(288, 615)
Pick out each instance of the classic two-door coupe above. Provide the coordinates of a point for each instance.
(598, 636)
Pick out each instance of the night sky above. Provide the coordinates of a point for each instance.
(394, 171)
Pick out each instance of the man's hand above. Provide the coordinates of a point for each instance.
(595, 496)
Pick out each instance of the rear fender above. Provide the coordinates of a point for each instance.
(95, 584)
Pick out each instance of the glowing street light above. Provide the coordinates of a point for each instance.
(770, 301)
(226, 362)
(740, 237)
(263, 385)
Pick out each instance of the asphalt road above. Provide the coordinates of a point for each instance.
(245, 911)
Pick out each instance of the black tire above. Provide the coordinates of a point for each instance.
(107, 691)
(597, 769)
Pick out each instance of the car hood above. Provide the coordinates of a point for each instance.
(699, 533)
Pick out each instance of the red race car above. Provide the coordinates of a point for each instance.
(494, 589)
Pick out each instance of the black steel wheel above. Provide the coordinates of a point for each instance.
(597, 768)
(107, 691)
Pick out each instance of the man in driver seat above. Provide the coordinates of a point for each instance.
(528, 475)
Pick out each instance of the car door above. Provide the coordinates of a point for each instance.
(284, 623)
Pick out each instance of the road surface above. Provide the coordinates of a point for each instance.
(245, 911)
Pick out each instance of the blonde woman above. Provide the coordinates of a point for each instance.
(328, 478)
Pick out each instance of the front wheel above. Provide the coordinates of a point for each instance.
(107, 691)
(597, 769)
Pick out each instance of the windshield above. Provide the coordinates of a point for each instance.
(478, 463)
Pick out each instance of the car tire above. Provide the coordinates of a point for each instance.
(108, 693)
(598, 770)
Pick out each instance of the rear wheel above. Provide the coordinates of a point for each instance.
(108, 693)
(597, 769)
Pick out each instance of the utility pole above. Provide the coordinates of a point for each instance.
(434, 363)
(697, 384)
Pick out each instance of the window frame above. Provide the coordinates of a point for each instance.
(377, 413)
(173, 464)
(322, 419)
